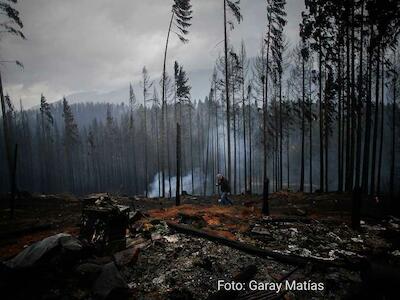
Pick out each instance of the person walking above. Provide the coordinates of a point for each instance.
(223, 183)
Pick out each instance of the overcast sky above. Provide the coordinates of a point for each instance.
(76, 46)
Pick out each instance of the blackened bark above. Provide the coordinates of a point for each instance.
(178, 164)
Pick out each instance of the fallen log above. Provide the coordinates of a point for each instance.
(264, 253)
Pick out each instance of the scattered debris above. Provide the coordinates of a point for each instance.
(181, 253)
(172, 238)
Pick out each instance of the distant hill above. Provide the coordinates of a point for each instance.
(200, 81)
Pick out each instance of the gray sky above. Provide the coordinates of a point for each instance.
(76, 46)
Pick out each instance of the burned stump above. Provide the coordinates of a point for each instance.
(105, 226)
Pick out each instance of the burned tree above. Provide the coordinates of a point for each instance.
(71, 139)
(233, 6)
(181, 16)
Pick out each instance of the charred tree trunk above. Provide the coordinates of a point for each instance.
(378, 188)
(310, 137)
(376, 119)
(265, 206)
(265, 111)
(280, 135)
(348, 185)
(302, 126)
(207, 150)
(367, 137)
(227, 96)
(393, 158)
(360, 103)
(164, 106)
(146, 176)
(234, 139)
(340, 113)
(321, 125)
(288, 158)
(244, 135)
(250, 150)
(178, 164)
(7, 144)
(217, 129)
(191, 147)
(353, 102)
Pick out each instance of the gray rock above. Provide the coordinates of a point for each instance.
(31, 256)
(109, 280)
(89, 272)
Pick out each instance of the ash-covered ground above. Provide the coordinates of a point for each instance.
(171, 252)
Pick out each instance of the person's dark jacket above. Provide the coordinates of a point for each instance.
(224, 184)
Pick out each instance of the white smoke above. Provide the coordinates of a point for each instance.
(155, 188)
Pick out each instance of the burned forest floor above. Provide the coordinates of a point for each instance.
(56, 249)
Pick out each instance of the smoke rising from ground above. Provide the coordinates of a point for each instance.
(156, 184)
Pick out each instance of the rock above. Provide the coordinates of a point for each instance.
(126, 257)
(100, 260)
(109, 281)
(35, 254)
(70, 243)
(88, 272)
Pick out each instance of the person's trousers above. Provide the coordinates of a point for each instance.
(225, 200)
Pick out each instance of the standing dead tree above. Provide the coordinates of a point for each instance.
(273, 45)
(10, 23)
(181, 16)
(146, 85)
(235, 9)
(178, 164)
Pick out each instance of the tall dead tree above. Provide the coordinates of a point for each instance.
(71, 139)
(273, 45)
(393, 126)
(243, 68)
(146, 85)
(10, 24)
(181, 15)
(132, 107)
(178, 165)
(235, 9)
